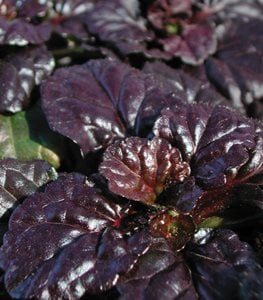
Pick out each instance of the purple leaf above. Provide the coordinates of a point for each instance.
(19, 73)
(193, 45)
(159, 273)
(236, 69)
(119, 22)
(221, 144)
(21, 179)
(80, 252)
(224, 266)
(187, 87)
(183, 196)
(103, 101)
(19, 32)
(69, 17)
(12, 94)
(82, 107)
(140, 169)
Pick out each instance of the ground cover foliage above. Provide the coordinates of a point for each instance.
(131, 149)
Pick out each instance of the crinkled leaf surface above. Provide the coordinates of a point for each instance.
(236, 69)
(140, 169)
(159, 273)
(119, 22)
(221, 144)
(224, 266)
(21, 179)
(21, 139)
(95, 103)
(190, 88)
(19, 73)
(80, 252)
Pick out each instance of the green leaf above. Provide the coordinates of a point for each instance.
(24, 136)
(211, 222)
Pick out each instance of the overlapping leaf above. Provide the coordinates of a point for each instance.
(95, 103)
(140, 169)
(159, 273)
(119, 22)
(19, 32)
(19, 73)
(21, 179)
(236, 70)
(221, 144)
(224, 266)
(78, 253)
(68, 17)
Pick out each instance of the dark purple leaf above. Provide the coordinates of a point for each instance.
(160, 12)
(140, 169)
(19, 73)
(221, 144)
(236, 69)
(68, 18)
(193, 45)
(29, 9)
(186, 87)
(12, 94)
(19, 32)
(21, 179)
(79, 102)
(160, 273)
(183, 196)
(104, 100)
(224, 267)
(78, 253)
(119, 22)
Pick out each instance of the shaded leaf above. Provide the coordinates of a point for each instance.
(119, 22)
(236, 69)
(21, 179)
(224, 266)
(160, 272)
(189, 88)
(68, 18)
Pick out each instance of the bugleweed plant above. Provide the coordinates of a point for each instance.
(131, 149)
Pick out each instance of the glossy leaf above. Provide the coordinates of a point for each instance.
(224, 266)
(236, 68)
(103, 100)
(221, 144)
(160, 272)
(187, 87)
(19, 73)
(140, 169)
(78, 254)
(21, 179)
(119, 22)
